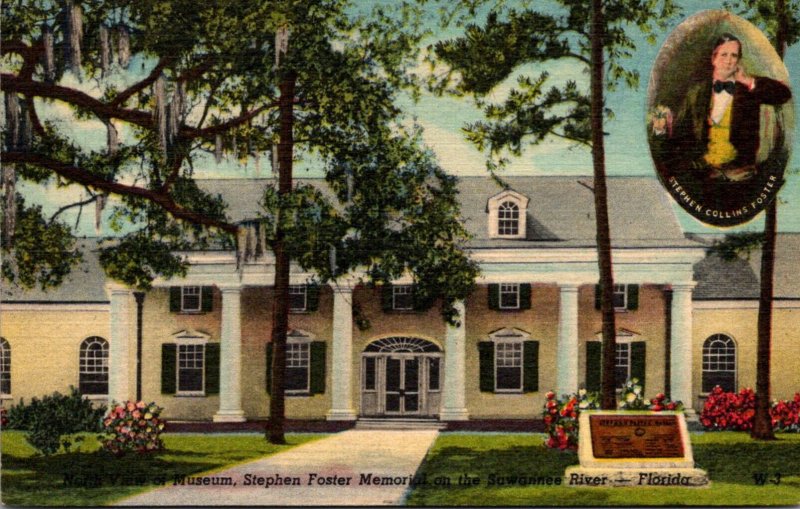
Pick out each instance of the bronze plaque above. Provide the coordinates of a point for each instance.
(636, 436)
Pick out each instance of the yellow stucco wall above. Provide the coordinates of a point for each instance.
(45, 346)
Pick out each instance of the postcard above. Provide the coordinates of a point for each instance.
(368, 253)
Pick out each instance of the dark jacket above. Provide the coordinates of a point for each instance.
(692, 126)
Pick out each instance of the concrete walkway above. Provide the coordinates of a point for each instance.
(355, 467)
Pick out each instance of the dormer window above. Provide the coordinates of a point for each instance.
(507, 215)
(508, 219)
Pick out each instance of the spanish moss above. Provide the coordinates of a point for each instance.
(112, 139)
(99, 205)
(73, 34)
(9, 180)
(175, 112)
(160, 113)
(12, 120)
(105, 49)
(218, 148)
(49, 58)
(123, 46)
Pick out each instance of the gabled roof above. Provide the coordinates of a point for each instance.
(560, 211)
(787, 268)
(718, 279)
(84, 284)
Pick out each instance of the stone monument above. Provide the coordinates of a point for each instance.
(634, 448)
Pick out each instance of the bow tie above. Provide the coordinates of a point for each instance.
(728, 86)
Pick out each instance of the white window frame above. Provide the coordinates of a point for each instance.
(184, 344)
(302, 357)
(508, 219)
(5, 365)
(188, 291)
(624, 292)
(624, 348)
(508, 289)
(499, 201)
(403, 290)
(88, 365)
(298, 290)
(705, 360)
(519, 347)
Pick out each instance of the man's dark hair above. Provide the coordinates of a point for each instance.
(727, 37)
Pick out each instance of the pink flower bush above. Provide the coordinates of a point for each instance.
(735, 411)
(133, 426)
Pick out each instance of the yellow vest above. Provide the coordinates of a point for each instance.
(720, 149)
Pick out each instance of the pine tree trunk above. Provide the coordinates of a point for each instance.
(280, 301)
(762, 422)
(608, 382)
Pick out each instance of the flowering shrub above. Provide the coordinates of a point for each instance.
(561, 417)
(786, 414)
(133, 427)
(633, 399)
(3, 417)
(735, 411)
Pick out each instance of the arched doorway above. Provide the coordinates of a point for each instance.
(401, 376)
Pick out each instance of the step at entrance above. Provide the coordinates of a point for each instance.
(367, 423)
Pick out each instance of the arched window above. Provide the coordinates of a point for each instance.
(719, 363)
(508, 218)
(94, 366)
(5, 367)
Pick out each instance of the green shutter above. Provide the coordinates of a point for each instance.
(207, 293)
(633, 297)
(169, 353)
(638, 356)
(530, 366)
(386, 297)
(212, 368)
(174, 299)
(312, 297)
(525, 296)
(317, 375)
(494, 297)
(597, 296)
(269, 368)
(486, 356)
(593, 365)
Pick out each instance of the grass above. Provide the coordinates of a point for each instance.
(90, 477)
(731, 460)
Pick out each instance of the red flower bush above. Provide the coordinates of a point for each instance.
(734, 411)
(134, 427)
(561, 418)
(3, 417)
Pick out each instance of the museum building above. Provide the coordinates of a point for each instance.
(685, 321)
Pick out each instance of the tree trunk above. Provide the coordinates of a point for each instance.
(608, 384)
(762, 422)
(280, 301)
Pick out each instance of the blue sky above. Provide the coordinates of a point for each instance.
(443, 118)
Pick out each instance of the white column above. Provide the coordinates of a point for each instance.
(567, 353)
(681, 367)
(342, 355)
(454, 404)
(230, 362)
(119, 348)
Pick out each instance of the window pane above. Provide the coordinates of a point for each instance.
(719, 363)
(5, 367)
(297, 366)
(433, 373)
(403, 297)
(509, 296)
(508, 219)
(508, 359)
(297, 297)
(369, 373)
(619, 297)
(93, 366)
(509, 378)
(622, 363)
(190, 300)
(190, 367)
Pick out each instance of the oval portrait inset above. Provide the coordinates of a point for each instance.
(720, 118)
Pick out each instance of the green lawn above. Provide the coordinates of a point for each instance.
(30, 479)
(731, 460)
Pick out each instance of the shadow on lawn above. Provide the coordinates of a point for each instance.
(740, 462)
(533, 460)
(79, 478)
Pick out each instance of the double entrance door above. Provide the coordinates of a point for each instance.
(401, 384)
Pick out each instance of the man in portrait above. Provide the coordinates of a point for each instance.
(714, 135)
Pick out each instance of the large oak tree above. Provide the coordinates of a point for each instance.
(176, 84)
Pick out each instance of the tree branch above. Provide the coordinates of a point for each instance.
(71, 205)
(81, 176)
